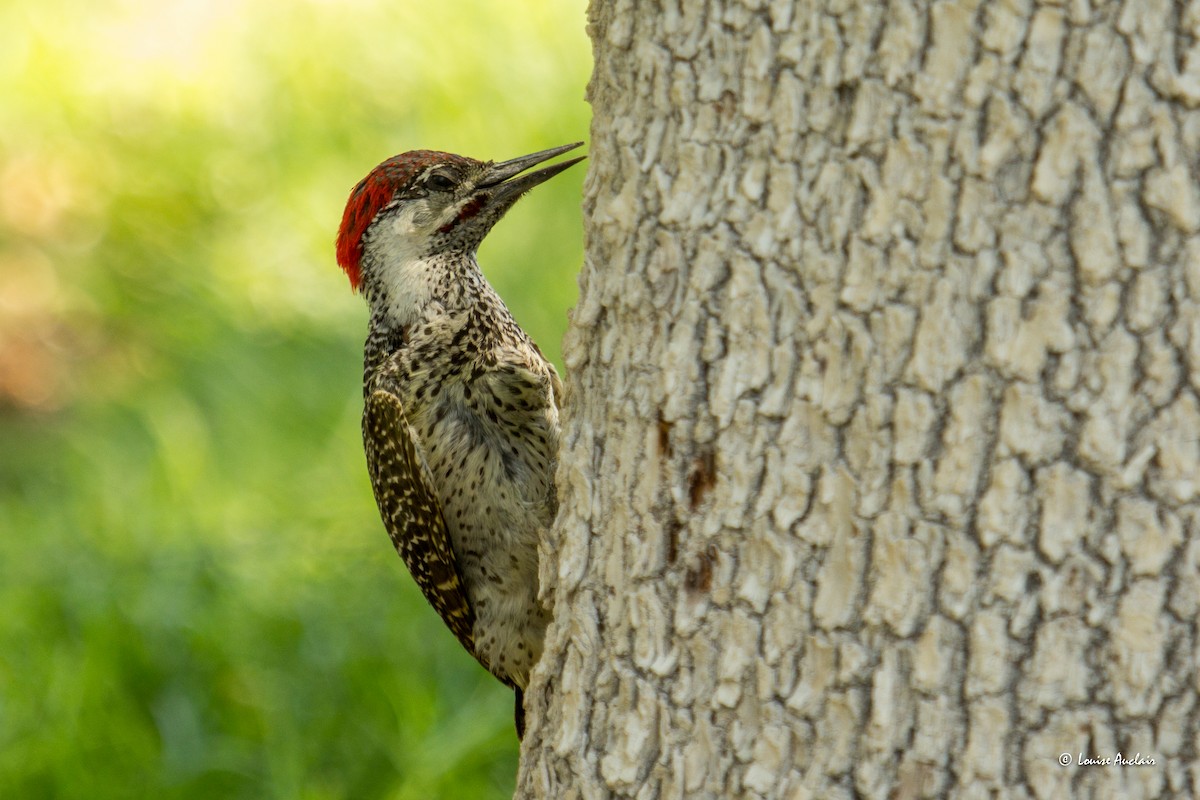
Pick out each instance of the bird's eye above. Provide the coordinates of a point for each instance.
(439, 182)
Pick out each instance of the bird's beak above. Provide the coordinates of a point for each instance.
(504, 192)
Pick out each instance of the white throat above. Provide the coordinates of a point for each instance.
(406, 273)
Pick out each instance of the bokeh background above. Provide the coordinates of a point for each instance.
(196, 596)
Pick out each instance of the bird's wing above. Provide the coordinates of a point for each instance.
(412, 514)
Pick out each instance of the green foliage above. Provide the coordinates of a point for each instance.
(198, 598)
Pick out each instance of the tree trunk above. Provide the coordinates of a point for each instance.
(881, 461)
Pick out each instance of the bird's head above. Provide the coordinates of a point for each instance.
(423, 202)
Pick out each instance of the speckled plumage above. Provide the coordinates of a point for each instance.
(460, 421)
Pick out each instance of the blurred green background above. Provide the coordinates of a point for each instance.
(196, 596)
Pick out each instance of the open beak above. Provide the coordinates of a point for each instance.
(505, 192)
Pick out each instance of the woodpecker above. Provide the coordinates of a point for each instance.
(460, 407)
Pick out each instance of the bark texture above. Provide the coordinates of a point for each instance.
(881, 465)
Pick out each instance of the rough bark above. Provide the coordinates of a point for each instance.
(881, 469)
